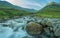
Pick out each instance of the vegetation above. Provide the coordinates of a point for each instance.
(7, 11)
(52, 11)
(11, 13)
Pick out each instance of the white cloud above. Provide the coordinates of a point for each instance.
(16, 2)
(26, 4)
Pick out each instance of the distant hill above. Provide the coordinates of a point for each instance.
(50, 10)
(7, 4)
(7, 10)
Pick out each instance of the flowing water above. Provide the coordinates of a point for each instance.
(14, 28)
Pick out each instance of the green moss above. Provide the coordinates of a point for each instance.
(33, 28)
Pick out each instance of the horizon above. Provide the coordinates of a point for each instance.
(31, 4)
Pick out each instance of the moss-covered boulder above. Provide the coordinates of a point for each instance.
(33, 28)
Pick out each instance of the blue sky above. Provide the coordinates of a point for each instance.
(31, 4)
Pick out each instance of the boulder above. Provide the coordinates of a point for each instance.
(33, 28)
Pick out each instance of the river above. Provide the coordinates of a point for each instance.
(14, 28)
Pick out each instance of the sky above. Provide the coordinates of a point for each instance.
(31, 4)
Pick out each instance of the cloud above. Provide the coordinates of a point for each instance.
(16, 2)
(34, 5)
(25, 4)
(31, 4)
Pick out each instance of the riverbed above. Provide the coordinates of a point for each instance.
(14, 28)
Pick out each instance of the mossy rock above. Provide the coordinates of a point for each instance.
(33, 28)
(46, 23)
(49, 23)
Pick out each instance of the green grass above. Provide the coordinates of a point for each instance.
(50, 11)
(48, 15)
(10, 13)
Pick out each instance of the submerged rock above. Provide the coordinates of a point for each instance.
(33, 28)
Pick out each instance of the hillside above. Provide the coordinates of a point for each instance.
(51, 10)
(6, 13)
(7, 4)
(7, 10)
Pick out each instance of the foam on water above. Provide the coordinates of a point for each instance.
(14, 28)
(8, 32)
